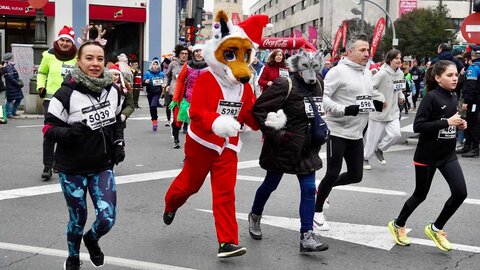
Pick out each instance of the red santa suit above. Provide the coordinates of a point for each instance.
(205, 152)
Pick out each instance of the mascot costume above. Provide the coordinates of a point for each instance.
(222, 101)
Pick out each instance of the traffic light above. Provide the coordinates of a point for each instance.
(190, 33)
(476, 5)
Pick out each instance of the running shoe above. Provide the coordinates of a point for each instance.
(439, 238)
(399, 234)
(168, 217)
(96, 255)
(379, 155)
(254, 226)
(227, 250)
(320, 222)
(154, 125)
(47, 173)
(72, 263)
(308, 243)
(366, 165)
(176, 144)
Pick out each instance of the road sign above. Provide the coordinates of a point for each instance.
(471, 28)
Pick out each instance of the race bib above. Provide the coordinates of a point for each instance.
(99, 115)
(230, 108)
(157, 81)
(365, 103)
(399, 85)
(449, 132)
(318, 104)
(66, 69)
(414, 77)
(283, 72)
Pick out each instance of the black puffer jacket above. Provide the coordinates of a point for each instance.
(297, 155)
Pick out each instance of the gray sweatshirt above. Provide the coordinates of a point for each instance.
(390, 83)
(343, 84)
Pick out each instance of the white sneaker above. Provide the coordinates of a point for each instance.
(320, 222)
(366, 165)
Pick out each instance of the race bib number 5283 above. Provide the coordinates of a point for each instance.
(231, 108)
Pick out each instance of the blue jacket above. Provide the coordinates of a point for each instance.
(153, 77)
(13, 83)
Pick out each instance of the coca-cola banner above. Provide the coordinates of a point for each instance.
(282, 43)
(344, 34)
(312, 35)
(406, 6)
(336, 41)
(377, 36)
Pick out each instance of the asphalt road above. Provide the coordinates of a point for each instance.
(33, 214)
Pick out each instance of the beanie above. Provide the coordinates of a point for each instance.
(8, 56)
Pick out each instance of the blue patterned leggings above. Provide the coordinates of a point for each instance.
(103, 192)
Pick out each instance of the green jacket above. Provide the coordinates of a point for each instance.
(50, 72)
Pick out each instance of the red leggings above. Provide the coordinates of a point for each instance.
(199, 161)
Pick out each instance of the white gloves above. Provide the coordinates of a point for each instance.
(225, 126)
(276, 120)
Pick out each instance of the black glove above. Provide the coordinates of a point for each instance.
(352, 110)
(118, 154)
(378, 105)
(42, 92)
(283, 136)
(79, 129)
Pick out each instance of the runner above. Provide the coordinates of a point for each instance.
(437, 120)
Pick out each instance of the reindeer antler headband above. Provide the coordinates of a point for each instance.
(86, 36)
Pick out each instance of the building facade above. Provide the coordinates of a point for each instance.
(327, 15)
(139, 27)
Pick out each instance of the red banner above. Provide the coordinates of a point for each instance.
(9, 7)
(406, 6)
(336, 41)
(298, 33)
(312, 35)
(377, 36)
(344, 34)
(122, 14)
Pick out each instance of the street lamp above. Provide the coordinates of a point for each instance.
(357, 12)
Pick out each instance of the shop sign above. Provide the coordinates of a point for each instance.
(111, 13)
(23, 8)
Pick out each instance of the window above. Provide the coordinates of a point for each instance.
(293, 10)
(284, 14)
(303, 28)
(304, 4)
(270, 3)
(316, 1)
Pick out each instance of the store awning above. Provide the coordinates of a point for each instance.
(18, 8)
(122, 14)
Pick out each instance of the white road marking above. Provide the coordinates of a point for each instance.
(30, 126)
(133, 264)
(367, 235)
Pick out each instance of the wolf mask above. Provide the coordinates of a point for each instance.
(307, 64)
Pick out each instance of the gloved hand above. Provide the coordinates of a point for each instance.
(79, 129)
(225, 126)
(172, 105)
(42, 92)
(118, 154)
(352, 110)
(283, 136)
(378, 105)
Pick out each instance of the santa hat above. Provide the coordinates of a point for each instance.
(66, 32)
(115, 69)
(253, 27)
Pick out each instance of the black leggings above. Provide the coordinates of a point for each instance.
(337, 150)
(423, 180)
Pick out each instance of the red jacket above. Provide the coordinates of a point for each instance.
(203, 111)
(270, 74)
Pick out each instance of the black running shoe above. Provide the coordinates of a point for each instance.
(168, 217)
(72, 263)
(47, 173)
(96, 255)
(227, 250)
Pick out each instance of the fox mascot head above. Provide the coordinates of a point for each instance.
(232, 47)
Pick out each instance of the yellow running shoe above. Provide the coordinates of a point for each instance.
(399, 234)
(439, 238)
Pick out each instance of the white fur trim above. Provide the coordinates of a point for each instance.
(276, 120)
(67, 37)
(225, 126)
